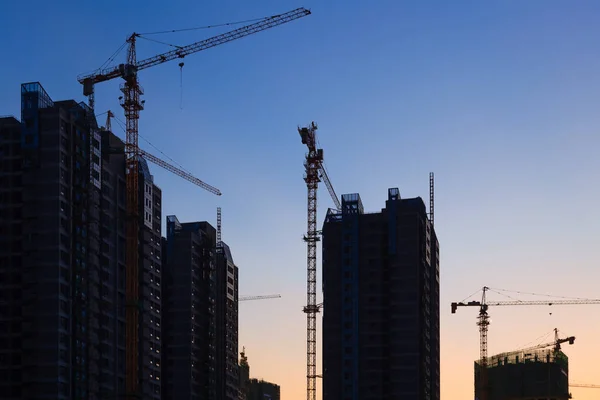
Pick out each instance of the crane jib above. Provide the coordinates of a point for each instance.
(267, 23)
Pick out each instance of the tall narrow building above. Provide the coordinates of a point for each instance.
(150, 262)
(227, 325)
(112, 263)
(201, 314)
(381, 302)
(189, 308)
(59, 275)
(150, 249)
(11, 259)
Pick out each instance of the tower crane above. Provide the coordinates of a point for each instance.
(131, 103)
(483, 321)
(315, 173)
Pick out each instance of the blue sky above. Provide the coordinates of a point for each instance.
(499, 98)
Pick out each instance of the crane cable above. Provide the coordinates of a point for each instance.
(536, 294)
(160, 42)
(539, 340)
(210, 26)
(122, 126)
(181, 85)
(142, 35)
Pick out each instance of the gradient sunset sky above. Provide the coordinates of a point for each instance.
(499, 98)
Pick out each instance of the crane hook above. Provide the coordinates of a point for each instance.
(181, 64)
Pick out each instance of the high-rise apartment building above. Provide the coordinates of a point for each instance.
(189, 308)
(381, 302)
(61, 285)
(150, 249)
(201, 314)
(227, 324)
(112, 262)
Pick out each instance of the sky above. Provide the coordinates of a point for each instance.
(498, 98)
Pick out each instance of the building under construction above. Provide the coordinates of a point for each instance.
(541, 374)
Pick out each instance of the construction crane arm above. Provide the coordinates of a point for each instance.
(325, 178)
(181, 52)
(454, 306)
(584, 385)
(268, 296)
(179, 172)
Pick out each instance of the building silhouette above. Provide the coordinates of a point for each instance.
(61, 256)
(227, 378)
(525, 374)
(381, 302)
(189, 306)
(200, 305)
(62, 252)
(263, 390)
(255, 389)
(150, 288)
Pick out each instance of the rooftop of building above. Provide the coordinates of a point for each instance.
(526, 357)
(352, 204)
(9, 119)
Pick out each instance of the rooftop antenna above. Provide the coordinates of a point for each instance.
(219, 243)
(431, 198)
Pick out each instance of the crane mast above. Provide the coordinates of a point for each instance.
(314, 173)
(130, 101)
(483, 321)
(132, 106)
(314, 157)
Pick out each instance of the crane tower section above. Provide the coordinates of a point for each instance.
(315, 172)
(312, 165)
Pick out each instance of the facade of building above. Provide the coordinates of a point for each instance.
(525, 375)
(201, 314)
(150, 252)
(112, 261)
(60, 278)
(381, 302)
(189, 309)
(227, 374)
(11, 258)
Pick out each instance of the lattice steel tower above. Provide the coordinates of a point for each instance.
(315, 172)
